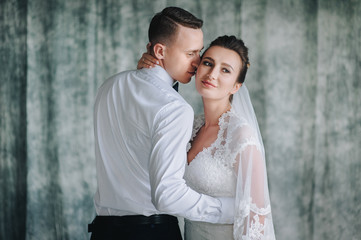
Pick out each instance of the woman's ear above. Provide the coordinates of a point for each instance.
(236, 87)
(159, 51)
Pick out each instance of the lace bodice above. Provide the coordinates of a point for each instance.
(231, 167)
(212, 171)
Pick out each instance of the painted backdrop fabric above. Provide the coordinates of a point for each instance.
(304, 80)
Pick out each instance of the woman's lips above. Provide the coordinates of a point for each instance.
(208, 84)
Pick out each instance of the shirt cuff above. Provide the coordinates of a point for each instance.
(227, 210)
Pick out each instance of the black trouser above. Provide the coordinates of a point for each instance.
(138, 227)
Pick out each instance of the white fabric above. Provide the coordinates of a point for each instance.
(142, 127)
(233, 166)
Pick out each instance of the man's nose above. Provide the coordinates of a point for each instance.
(196, 61)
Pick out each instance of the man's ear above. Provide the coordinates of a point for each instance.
(159, 51)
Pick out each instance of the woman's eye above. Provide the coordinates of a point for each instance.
(225, 70)
(206, 63)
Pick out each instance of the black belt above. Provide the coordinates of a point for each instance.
(100, 221)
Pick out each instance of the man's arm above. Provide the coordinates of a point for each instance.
(170, 194)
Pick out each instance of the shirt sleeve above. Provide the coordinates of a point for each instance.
(170, 194)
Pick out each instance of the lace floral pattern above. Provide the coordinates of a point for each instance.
(213, 172)
(256, 229)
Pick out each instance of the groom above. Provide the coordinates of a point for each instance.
(142, 126)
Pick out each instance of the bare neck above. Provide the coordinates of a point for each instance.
(213, 110)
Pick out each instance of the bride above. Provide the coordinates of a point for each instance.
(226, 155)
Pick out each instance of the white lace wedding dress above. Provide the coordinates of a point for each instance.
(216, 171)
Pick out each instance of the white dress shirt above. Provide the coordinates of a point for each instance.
(142, 127)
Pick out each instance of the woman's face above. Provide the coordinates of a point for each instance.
(217, 73)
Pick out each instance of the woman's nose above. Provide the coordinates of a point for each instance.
(212, 75)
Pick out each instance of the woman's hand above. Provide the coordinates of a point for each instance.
(147, 61)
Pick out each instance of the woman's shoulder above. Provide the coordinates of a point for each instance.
(231, 119)
(237, 128)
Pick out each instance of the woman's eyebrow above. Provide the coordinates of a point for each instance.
(228, 65)
(209, 58)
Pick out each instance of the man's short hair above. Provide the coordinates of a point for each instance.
(164, 24)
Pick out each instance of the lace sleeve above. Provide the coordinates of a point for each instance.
(197, 124)
(253, 219)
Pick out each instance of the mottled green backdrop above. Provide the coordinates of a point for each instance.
(305, 82)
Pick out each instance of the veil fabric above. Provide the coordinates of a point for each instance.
(253, 219)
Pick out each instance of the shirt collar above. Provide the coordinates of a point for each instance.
(162, 74)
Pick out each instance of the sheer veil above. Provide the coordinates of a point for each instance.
(253, 219)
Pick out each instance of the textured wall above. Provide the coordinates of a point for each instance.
(304, 81)
(13, 156)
